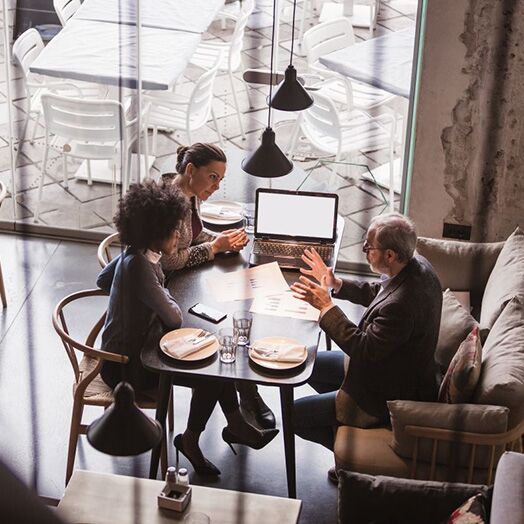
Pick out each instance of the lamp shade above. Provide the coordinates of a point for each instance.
(267, 161)
(123, 429)
(290, 94)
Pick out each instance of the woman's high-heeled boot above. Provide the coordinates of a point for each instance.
(201, 465)
(239, 431)
(253, 406)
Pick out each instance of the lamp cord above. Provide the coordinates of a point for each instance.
(271, 64)
(293, 31)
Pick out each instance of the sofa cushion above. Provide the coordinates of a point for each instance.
(463, 372)
(461, 266)
(501, 380)
(458, 417)
(380, 499)
(508, 493)
(505, 281)
(455, 324)
(471, 511)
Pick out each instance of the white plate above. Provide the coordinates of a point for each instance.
(275, 364)
(201, 354)
(235, 207)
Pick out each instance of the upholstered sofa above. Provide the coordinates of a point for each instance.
(460, 442)
(378, 499)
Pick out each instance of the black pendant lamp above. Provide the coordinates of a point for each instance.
(291, 95)
(124, 430)
(268, 161)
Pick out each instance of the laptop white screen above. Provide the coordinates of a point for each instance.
(296, 215)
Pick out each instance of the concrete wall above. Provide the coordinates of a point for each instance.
(469, 141)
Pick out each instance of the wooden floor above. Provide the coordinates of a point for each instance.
(36, 392)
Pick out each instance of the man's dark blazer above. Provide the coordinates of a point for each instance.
(392, 349)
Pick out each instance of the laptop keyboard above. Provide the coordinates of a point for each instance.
(276, 249)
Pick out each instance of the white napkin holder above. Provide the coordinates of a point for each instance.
(175, 497)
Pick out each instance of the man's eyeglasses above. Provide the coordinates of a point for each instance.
(366, 248)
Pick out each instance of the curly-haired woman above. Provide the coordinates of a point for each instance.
(147, 221)
(199, 170)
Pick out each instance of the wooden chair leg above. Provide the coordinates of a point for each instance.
(2, 289)
(76, 420)
(171, 412)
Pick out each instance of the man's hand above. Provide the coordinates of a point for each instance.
(230, 240)
(318, 269)
(318, 296)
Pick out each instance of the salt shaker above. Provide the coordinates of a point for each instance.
(183, 478)
(171, 480)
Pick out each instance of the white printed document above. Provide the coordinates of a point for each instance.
(284, 305)
(254, 282)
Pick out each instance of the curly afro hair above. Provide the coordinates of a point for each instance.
(149, 212)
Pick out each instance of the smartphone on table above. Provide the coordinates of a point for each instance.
(207, 313)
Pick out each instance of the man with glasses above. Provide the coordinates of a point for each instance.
(391, 350)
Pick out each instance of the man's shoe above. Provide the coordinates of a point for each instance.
(257, 411)
(332, 475)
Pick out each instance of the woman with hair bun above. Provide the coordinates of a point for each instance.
(199, 170)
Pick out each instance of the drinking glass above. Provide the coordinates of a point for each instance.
(249, 219)
(197, 517)
(242, 321)
(227, 345)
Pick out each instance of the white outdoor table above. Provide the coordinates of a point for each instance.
(106, 54)
(384, 62)
(182, 15)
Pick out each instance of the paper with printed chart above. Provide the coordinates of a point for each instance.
(243, 284)
(284, 305)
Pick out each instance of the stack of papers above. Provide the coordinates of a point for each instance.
(219, 212)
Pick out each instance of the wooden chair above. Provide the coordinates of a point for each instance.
(89, 389)
(103, 253)
(105, 256)
(3, 192)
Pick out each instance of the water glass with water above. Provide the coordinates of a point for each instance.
(242, 321)
(227, 345)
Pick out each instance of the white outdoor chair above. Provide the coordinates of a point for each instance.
(207, 53)
(65, 9)
(324, 39)
(3, 193)
(25, 50)
(365, 13)
(338, 133)
(170, 110)
(92, 130)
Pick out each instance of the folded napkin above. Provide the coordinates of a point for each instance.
(284, 352)
(184, 346)
(215, 211)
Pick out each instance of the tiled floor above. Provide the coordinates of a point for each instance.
(91, 208)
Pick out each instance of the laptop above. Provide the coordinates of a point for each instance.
(287, 222)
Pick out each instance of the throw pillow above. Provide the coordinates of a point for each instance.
(473, 511)
(501, 381)
(455, 324)
(463, 372)
(506, 279)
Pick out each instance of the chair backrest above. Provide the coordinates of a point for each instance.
(201, 98)
(26, 48)
(237, 39)
(87, 348)
(91, 120)
(327, 37)
(103, 253)
(3, 192)
(321, 120)
(65, 9)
